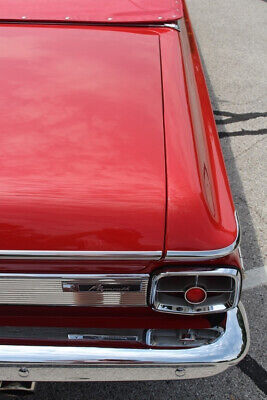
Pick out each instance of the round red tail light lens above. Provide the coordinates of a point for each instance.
(195, 295)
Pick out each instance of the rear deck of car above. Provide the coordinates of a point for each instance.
(82, 159)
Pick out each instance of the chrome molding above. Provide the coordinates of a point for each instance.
(74, 290)
(68, 21)
(51, 363)
(198, 308)
(80, 255)
(173, 25)
(100, 337)
(206, 254)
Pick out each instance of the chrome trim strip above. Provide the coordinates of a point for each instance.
(121, 290)
(100, 337)
(206, 254)
(75, 276)
(171, 24)
(80, 255)
(50, 363)
(200, 309)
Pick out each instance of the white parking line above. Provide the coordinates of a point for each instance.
(255, 277)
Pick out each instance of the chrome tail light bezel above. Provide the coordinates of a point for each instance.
(190, 309)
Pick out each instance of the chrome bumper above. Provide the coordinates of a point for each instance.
(49, 363)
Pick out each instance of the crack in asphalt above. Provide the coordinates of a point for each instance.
(240, 154)
(255, 372)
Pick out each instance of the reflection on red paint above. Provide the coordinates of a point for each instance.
(82, 146)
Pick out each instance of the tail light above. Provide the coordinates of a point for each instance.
(195, 291)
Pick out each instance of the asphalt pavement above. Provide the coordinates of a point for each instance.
(232, 39)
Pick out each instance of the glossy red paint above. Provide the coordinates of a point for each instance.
(82, 164)
(200, 211)
(82, 144)
(91, 10)
(92, 318)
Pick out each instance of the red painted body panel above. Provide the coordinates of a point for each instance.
(93, 318)
(92, 10)
(83, 163)
(200, 211)
(82, 145)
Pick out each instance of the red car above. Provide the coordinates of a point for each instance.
(119, 240)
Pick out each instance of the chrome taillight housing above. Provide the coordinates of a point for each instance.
(195, 291)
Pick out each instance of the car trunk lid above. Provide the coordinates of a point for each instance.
(82, 144)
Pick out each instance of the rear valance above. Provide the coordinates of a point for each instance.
(92, 10)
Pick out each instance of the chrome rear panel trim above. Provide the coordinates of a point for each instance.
(74, 290)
